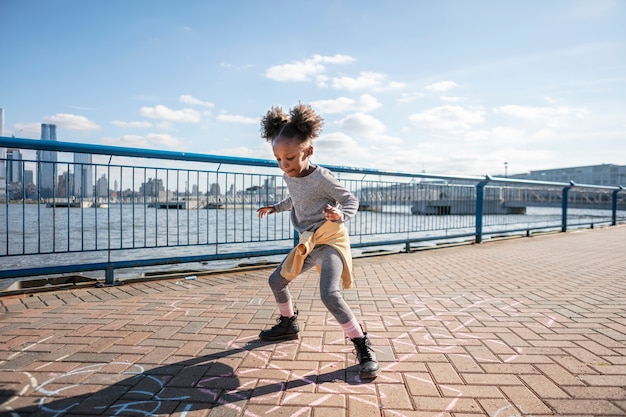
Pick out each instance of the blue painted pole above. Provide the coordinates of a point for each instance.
(480, 201)
(564, 202)
(614, 206)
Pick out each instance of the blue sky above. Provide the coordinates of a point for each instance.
(448, 87)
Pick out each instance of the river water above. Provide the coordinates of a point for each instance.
(34, 235)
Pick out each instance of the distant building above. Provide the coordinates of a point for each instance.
(65, 185)
(47, 163)
(152, 188)
(215, 190)
(83, 176)
(28, 177)
(102, 187)
(605, 174)
(14, 166)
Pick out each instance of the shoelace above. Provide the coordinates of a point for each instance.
(365, 351)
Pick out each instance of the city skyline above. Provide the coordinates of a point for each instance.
(81, 180)
(446, 87)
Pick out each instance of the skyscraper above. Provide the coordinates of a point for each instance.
(102, 187)
(47, 163)
(2, 161)
(15, 166)
(83, 175)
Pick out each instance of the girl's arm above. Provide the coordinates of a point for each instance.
(263, 211)
(276, 208)
(348, 201)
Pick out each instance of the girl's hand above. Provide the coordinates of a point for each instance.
(332, 213)
(265, 210)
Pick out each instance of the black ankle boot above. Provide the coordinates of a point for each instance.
(368, 364)
(286, 328)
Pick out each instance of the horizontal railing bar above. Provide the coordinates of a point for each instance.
(136, 263)
(395, 211)
(61, 146)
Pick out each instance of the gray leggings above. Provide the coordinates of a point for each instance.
(331, 265)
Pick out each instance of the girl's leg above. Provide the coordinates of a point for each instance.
(280, 289)
(331, 265)
(286, 327)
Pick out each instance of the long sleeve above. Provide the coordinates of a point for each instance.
(309, 195)
(284, 205)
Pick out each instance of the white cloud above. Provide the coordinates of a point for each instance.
(121, 123)
(499, 135)
(393, 85)
(337, 59)
(331, 148)
(165, 113)
(150, 141)
(306, 70)
(441, 86)
(25, 130)
(187, 99)
(367, 127)
(491, 161)
(246, 152)
(448, 117)
(232, 118)
(71, 122)
(362, 124)
(365, 103)
(335, 141)
(509, 135)
(367, 80)
(551, 116)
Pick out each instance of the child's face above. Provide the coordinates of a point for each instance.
(292, 157)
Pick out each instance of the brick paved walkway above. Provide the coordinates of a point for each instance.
(520, 327)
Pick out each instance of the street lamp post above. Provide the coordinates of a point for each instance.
(506, 169)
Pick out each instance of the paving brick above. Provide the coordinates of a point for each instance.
(525, 400)
(364, 405)
(453, 405)
(585, 407)
(604, 380)
(501, 328)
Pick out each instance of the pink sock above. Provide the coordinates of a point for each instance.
(286, 309)
(352, 329)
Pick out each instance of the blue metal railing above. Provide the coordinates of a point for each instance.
(155, 208)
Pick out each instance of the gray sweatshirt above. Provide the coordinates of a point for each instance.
(309, 195)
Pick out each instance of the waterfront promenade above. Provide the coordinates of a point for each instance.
(516, 327)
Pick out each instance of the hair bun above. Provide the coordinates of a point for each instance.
(302, 123)
(306, 120)
(272, 122)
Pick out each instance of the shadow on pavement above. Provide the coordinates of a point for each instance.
(194, 384)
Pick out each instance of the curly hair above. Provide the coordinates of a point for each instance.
(301, 124)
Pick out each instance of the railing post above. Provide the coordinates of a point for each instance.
(564, 206)
(296, 238)
(614, 206)
(480, 198)
(109, 278)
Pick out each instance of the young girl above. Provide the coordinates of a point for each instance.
(319, 206)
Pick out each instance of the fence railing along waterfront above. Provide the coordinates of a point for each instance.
(127, 208)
